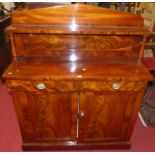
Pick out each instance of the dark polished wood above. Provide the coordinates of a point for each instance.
(75, 146)
(97, 68)
(76, 77)
(103, 119)
(46, 117)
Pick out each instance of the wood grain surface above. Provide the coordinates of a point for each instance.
(82, 45)
(47, 116)
(104, 115)
(80, 14)
(63, 68)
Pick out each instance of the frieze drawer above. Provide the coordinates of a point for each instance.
(32, 86)
(52, 86)
(111, 86)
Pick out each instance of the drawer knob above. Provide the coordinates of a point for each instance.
(116, 86)
(41, 86)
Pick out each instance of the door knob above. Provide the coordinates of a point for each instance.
(82, 113)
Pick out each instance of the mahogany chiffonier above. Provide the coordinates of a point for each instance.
(76, 77)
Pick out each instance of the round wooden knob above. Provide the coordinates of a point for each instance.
(41, 86)
(116, 86)
(82, 114)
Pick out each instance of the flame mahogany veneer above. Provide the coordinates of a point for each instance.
(76, 76)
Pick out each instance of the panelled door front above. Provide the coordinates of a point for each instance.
(102, 114)
(52, 117)
(47, 117)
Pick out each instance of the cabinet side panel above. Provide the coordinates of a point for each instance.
(131, 116)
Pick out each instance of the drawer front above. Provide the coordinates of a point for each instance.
(85, 45)
(111, 86)
(41, 86)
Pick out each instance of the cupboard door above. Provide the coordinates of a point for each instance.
(46, 117)
(103, 114)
